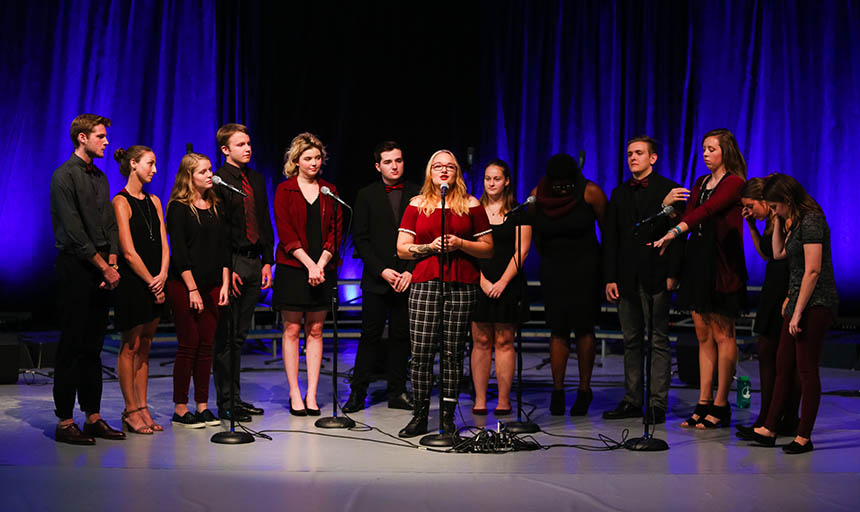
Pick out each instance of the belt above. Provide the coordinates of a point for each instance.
(249, 252)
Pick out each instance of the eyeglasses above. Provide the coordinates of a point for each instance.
(441, 167)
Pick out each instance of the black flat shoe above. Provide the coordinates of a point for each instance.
(761, 440)
(655, 417)
(794, 448)
(624, 410)
(582, 403)
(250, 408)
(71, 434)
(241, 416)
(354, 403)
(401, 401)
(297, 412)
(744, 432)
(556, 403)
(310, 412)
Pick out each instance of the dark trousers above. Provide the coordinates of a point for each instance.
(375, 309)
(424, 334)
(83, 315)
(249, 270)
(633, 313)
(195, 331)
(768, 347)
(805, 349)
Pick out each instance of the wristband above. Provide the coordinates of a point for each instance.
(194, 290)
(677, 230)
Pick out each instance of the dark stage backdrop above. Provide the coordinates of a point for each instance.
(520, 80)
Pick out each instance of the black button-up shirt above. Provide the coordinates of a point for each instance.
(234, 211)
(81, 211)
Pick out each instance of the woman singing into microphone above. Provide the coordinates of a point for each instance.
(306, 263)
(468, 237)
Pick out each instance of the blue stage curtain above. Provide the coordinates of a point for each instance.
(783, 76)
(149, 66)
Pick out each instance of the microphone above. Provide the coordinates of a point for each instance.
(667, 210)
(581, 159)
(218, 181)
(470, 156)
(189, 148)
(444, 188)
(529, 200)
(327, 192)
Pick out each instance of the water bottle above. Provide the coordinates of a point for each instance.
(744, 391)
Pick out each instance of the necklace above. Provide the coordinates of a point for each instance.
(146, 218)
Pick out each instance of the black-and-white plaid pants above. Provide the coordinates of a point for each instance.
(424, 312)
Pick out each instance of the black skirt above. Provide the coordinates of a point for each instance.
(503, 310)
(292, 292)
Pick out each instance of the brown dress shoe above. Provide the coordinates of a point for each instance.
(101, 429)
(72, 434)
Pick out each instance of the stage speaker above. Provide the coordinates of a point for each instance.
(42, 347)
(9, 354)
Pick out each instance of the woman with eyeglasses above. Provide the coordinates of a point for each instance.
(566, 208)
(468, 236)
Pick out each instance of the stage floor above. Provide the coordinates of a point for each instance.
(181, 469)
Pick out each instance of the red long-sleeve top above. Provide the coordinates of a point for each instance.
(724, 208)
(291, 218)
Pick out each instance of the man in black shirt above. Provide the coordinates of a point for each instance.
(86, 235)
(638, 278)
(252, 241)
(385, 279)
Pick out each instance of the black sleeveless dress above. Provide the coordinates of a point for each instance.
(774, 290)
(504, 309)
(134, 303)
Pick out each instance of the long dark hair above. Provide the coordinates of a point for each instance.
(754, 189)
(733, 160)
(508, 201)
(782, 188)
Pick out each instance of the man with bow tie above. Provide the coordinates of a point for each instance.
(385, 280)
(86, 235)
(638, 278)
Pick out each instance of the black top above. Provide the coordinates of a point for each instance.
(233, 210)
(198, 243)
(812, 229)
(627, 257)
(313, 229)
(145, 231)
(375, 233)
(504, 245)
(81, 212)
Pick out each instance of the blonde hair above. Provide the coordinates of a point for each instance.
(183, 188)
(301, 143)
(457, 198)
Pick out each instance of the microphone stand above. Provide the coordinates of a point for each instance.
(231, 436)
(440, 439)
(520, 426)
(334, 421)
(648, 443)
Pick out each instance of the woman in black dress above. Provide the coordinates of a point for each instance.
(768, 320)
(307, 263)
(566, 209)
(139, 298)
(497, 311)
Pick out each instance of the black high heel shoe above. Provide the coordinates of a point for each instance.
(583, 401)
(556, 402)
(723, 413)
(310, 412)
(297, 412)
(701, 411)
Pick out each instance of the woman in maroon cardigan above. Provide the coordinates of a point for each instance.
(713, 284)
(307, 262)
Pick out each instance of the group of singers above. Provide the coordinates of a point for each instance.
(222, 248)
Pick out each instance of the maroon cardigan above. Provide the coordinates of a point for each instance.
(724, 208)
(291, 217)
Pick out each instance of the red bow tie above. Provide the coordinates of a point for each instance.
(389, 188)
(635, 184)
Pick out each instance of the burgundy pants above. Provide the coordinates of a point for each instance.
(805, 349)
(195, 331)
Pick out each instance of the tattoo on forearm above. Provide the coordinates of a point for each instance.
(420, 250)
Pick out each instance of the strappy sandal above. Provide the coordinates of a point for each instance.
(701, 411)
(723, 414)
(154, 426)
(144, 430)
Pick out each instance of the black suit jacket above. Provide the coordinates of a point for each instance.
(234, 210)
(627, 258)
(375, 234)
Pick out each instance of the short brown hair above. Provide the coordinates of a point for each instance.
(227, 131)
(384, 147)
(652, 144)
(86, 123)
(124, 157)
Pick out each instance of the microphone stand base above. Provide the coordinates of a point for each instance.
(646, 444)
(228, 437)
(440, 440)
(521, 427)
(334, 422)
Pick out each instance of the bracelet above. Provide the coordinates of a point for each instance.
(113, 266)
(194, 290)
(677, 230)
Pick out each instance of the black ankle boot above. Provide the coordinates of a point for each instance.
(583, 401)
(418, 424)
(447, 417)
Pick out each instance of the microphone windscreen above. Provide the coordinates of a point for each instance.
(325, 190)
